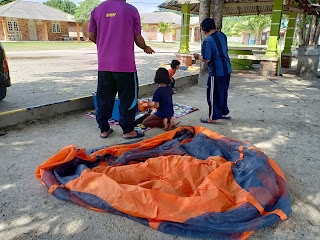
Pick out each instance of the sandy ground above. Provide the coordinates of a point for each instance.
(280, 116)
(47, 76)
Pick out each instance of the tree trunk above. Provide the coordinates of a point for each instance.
(257, 38)
(308, 61)
(163, 37)
(217, 13)
(304, 28)
(308, 31)
(204, 12)
(316, 36)
(312, 30)
(300, 30)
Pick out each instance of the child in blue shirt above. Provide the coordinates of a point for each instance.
(162, 100)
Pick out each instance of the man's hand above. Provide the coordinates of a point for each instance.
(148, 50)
(139, 40)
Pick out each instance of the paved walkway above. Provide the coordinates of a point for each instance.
(40, 77)
(280, 116)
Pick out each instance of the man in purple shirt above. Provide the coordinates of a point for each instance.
(114, 27)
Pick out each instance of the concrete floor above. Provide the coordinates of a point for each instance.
(280, 116)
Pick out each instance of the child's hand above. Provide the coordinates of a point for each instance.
(150, 103)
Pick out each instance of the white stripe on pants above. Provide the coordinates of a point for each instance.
(211, 97)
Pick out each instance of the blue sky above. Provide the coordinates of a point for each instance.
(144, 6)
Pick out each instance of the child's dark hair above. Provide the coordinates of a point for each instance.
(162, 76)
(174, 64)
(208, 24)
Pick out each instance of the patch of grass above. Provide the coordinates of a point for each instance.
(26, 46)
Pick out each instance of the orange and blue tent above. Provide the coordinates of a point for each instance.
(189, 182)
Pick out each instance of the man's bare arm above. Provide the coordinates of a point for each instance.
(139, 40)
(93, 36)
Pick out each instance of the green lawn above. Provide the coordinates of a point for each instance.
(31, 46)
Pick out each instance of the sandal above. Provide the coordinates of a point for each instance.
(109, 132)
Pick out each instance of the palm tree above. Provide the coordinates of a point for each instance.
(256, 24)
(165, 28)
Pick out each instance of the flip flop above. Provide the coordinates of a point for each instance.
(109, 132)
(205, 120)
(139, 135)
(226, 117)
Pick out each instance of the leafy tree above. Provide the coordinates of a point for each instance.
(284, 21)
(233, 26)
(83, 11)
(165, 28)
(3, 2)
(70, 7)
(63, 5)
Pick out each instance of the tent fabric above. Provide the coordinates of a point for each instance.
(189, 182)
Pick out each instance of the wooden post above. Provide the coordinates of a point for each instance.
(78, 31)
(5, 30)
(45, 28)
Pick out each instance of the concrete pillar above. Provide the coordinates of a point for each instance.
(45, 28)
(185, 25)
(5, 30)
(286, 56)
(78, 31)
(290, 32)
(273, 47)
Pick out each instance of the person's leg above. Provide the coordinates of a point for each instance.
(218, 98)
(106, 93)
(172, 85)
(127, 84)
(153, 121)
(225, 106)
(214, 99)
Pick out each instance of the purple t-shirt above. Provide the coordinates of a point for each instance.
(115, 22)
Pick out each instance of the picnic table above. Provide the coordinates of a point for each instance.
(241, 56)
